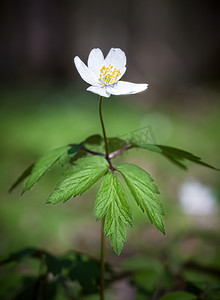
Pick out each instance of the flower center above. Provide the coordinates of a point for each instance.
(109, 75)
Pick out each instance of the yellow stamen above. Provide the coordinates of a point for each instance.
(109, 75)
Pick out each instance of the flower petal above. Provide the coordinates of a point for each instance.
(116, 57)
(85, 72)
(95, 61)
(98, 90)
(124, 88)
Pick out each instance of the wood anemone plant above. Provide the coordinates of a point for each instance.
(92, 159)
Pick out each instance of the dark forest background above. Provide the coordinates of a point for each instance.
(171, 44)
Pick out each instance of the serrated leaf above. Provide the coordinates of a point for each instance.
(22, 177)
(112, 191)
(144, 192)
(175, 155)
(42, 165)
(79, 178)
(119, 235)
(111, 200)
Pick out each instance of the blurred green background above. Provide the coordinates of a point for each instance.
(44, 105)
(31, 130)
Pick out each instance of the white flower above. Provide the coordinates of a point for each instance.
(104, 73)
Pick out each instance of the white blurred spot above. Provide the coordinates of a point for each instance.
(197, 199)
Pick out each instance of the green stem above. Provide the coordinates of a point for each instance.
(102, 250)
(104, 135)
(102, 281)
(103, 127)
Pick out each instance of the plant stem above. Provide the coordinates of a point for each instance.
(120, 151)
(102, 252)
(104, 135)
(103, 127)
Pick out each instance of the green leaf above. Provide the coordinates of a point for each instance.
(76, 156)
(22, 254)
(115, 144)
(87, 272)
(74, 148)
(144, 192)
(111, 200)
(179, 296)
(147, 280)
(77, 150)
(94, 143)
(68, 156)
(54, 265)
(52, 262)
(150, 147)
(79, 178)
(24, 175)
(202, 279)
(42, 165)
(175, 155)
(95, 139)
